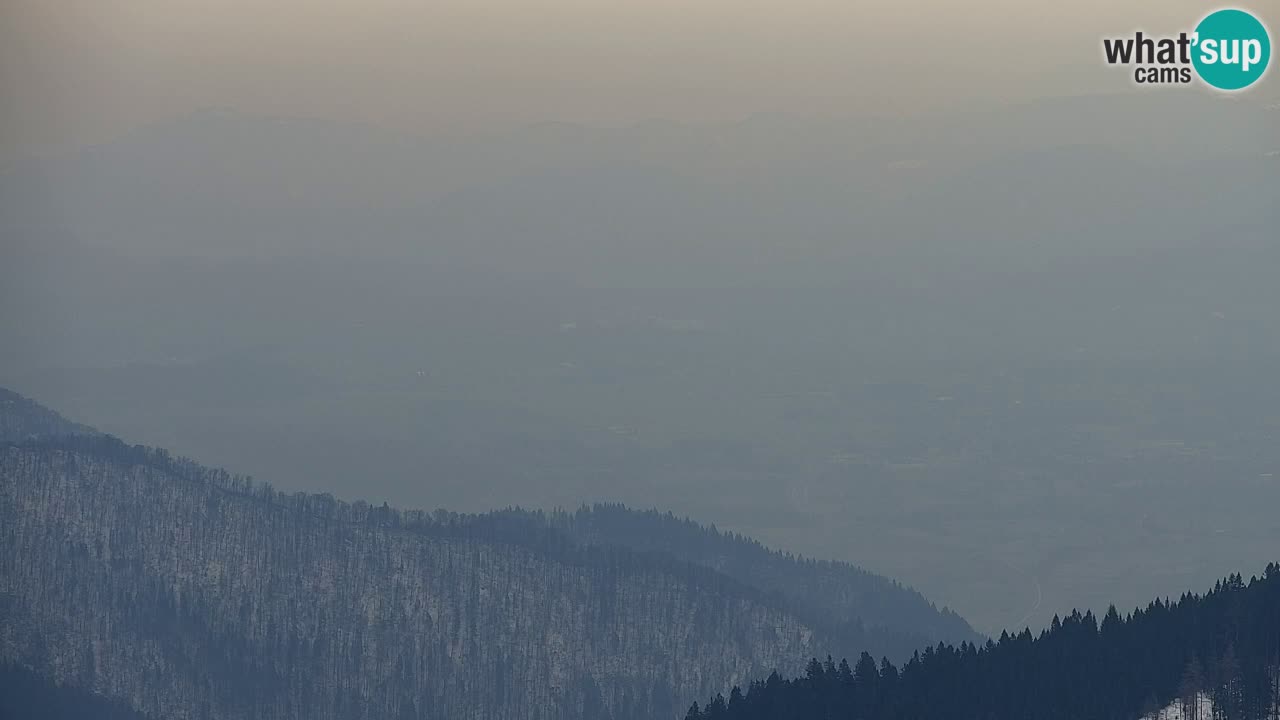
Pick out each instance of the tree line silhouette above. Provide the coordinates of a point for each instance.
(1223, 647)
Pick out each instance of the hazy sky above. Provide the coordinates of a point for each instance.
(73, 71)
(974, 350)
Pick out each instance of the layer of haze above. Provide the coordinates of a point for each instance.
(925, 287)
(85, 70)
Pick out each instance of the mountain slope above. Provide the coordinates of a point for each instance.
(185, 591)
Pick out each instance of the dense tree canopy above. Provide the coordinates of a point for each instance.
(1224, 645)
(202, 589)
(25, 695)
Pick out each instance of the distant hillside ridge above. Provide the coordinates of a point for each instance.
(831, 590)
(25, 419)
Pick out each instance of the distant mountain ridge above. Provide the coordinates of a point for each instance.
(205, 595)
(833, 591)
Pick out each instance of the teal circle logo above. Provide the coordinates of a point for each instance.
(1232, 49)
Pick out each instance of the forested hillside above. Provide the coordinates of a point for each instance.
(1223, 646)
(188, 592)
(185, 591)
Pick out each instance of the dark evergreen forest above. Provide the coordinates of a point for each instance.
(1222, 646)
